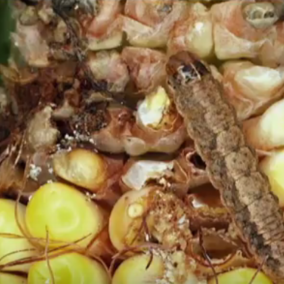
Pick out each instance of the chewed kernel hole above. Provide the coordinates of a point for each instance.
(135, 210)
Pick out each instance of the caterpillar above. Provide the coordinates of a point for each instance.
(231, 164)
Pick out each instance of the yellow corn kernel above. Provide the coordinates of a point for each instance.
(81, 167)
(241, 276)
(12, 279)
(71, 268)
(133, 270)
(126, 219)
(9, 244)
(273, 167)
(65, 213)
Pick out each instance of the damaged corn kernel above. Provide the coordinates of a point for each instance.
(260, 15)
(153, 108)
(81, 167)
(251, 88)
(111, 42)
(141, 172)
(194, 34)
(126, 219)
(157, 128)
(200, 37)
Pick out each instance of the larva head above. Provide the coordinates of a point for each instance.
(184, 68)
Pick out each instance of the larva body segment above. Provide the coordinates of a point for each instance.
(231, 164)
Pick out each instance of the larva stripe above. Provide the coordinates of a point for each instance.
(231, 164)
